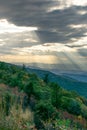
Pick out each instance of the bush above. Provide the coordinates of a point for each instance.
(71, 105)
(6, 103)
(74, 107)
(45, 110)
(84, 111)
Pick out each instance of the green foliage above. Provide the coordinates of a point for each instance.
(56, 95)
(64, 124)
(74, 107)
(6, 103)
(84, 111)
(28, 89)
(71, 105)
(13, 81)
(45, 99)
(45, 110)
(38, 122)
(46, 78)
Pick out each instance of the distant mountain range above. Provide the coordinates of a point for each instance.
(77, 75)
(70, 81)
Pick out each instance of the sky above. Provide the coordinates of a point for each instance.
(50, 34)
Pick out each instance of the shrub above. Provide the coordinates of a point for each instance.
(71, 105)
(84, 111)
(74, 107)
(6, 103)
(45, 110)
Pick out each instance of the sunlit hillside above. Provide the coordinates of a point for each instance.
(30, 103)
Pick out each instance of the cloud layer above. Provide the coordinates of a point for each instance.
(57, 21)
(52, 26)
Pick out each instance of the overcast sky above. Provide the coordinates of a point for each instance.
(44, 33)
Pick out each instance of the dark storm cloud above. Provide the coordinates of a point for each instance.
(52, 26)
(24, 12)
(57, 25)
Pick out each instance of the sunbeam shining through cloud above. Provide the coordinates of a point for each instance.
(47, 34)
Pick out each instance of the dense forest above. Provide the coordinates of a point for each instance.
(30, 103)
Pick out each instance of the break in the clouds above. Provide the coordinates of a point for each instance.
(53, 28)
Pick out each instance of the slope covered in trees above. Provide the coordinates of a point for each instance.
(63, 80)
(37, 104)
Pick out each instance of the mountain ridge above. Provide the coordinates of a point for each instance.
(62, 80)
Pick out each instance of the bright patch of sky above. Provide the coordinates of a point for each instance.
(6, 27)
(67, 3)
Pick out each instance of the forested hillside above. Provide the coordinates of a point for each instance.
(63, 80)
(30, 103)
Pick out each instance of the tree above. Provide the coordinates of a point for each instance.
(46, 79)
(29, 89)
(23, 67)
(56, 94)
